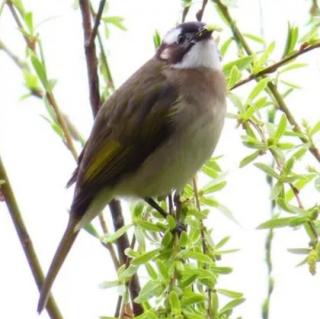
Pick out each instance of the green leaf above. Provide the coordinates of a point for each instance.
(225, 46)
(91, 230)
(260, 86)
(230, 293)
(191, 298)
(124, 274)
(110, 284)
(144, 258)
(292, 38)
(214, 188)
(264, 57)
(198, 256)
(283, 222)
(156, 39)
(230, 305)
(110, 238)
(315, 129)
(174, 302)
(150, 289)
(40, 70)
(292, 66)
(250, 158)
(146, 225)
(241, 63)
(254, 38)
(151, 271)
(234, 76)
(116, 21)
(267, 169)
(28, 19)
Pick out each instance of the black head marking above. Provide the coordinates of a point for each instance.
(179, 41)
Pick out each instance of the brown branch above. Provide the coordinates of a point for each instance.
(115, 207)
(25, 240)
(91, 57)
(274, 67)
(200, 13)
(271, 87)
(96, 22)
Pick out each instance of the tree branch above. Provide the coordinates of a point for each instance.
(274, 67)
(115, 207)
(200, 13)
(91, 57)
(25, 240)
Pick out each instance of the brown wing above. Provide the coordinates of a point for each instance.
(128, 128)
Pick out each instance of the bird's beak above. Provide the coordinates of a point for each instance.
(206, 32)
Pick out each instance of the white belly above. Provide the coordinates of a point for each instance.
(176, 162)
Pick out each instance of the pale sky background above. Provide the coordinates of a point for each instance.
(39, 165)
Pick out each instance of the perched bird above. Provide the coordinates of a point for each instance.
(153, 134)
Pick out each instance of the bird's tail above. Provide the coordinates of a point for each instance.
(65, 244)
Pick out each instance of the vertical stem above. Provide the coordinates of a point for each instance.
(25, 240)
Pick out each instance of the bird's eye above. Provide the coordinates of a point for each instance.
(181, 38)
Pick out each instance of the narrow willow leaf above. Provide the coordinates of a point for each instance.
(267, 169)
(40, 70)
(292, 66)
(260, 86)
(150, 289)
(28, 19)
(151, 271)
(254, 38)
(126, 273)
(283, 222)
(299, 251)
(221, 270)
(222, 242)
(146, 225)
(191, 298)
(292, 38)
(315, 129)
(241, 63)
(282, 126)
(260, 63)
(174, 302)
(234, 76)
(156, 39)
(91, 230)
(198, 256)
(230, 293)
(248, 159)
(214, 188)
(230, 305)
(110, 284)
(225, 46)
(110, 238)
(144, 258)
(117, 21)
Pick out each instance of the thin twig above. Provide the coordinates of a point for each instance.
(91, 57)
(203, 239)
(200, 13)
(115, 207)
(25, 240)
(274, 67)
(96, 22)
(12, 56)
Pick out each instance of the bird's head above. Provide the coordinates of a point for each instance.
(190, 45)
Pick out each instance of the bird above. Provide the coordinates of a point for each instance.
(152, 134)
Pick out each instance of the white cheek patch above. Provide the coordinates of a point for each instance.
(165, 54)
(172, 36)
